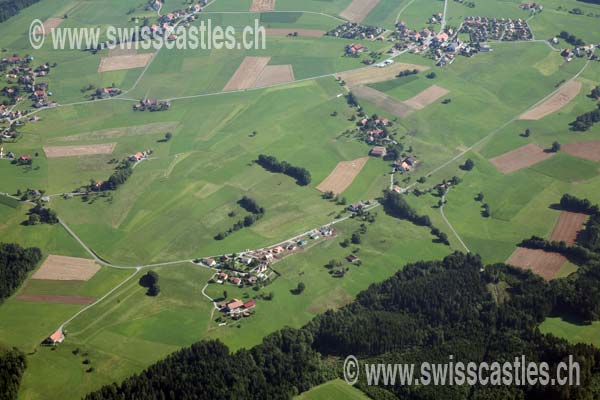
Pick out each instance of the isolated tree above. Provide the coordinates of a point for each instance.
(468, 165)
(299, 289)
(527, 132)
(479, 196)
(168, 136)
(224, 294)
(431, 75)
(149, 279)
(355, 238)
(555, 147)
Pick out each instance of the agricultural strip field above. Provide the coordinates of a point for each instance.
(247, 74)
(367, 75)
(342, 176)
(290, 31)
(262, 5)
(63, 268)
(545, 264)
(383, 101)
(358, 10)
(275, 75)
(586, 150)
(568, 226)
(520, 158)
(55, 299)
(76, 151)
(426, 97)
(116, 63)
(565, 94)
(51, 23)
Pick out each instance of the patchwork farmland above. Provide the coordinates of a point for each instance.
(117, 163)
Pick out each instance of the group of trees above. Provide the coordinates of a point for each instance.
(425, 312)
(250, 205)
(41, 215)
(119, 177)
(407, 72)
(271, 163)
(15, 263)
(571, 39)
(468, 165)
(9, 8)
(150, 281)
(586, 120)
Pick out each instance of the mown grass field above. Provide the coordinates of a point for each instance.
(336, 389)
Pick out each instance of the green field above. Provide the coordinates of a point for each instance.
(336, 389)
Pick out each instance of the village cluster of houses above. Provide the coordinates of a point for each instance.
(531, 6)
(483, 29)
(351, 30)
(253, 266)
(20, 71)
(570, 53)
(152, 105)
(167, 21)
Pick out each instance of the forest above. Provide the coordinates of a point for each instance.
(9, 8)
(15, 263)
(425, 312)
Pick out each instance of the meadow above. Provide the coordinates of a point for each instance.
(336, 389)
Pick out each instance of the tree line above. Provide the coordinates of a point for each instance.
(571, 39)
(271, 163)
(395, 205)
(15, 263)
(119, 177)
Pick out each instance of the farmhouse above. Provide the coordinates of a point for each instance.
(233, 305)
(355, 49)
(136, 157)
(355, 207)
(222, 277)
(378, 151)
(56, 338)
(235, 280)
(352, 258)
(209, 262)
